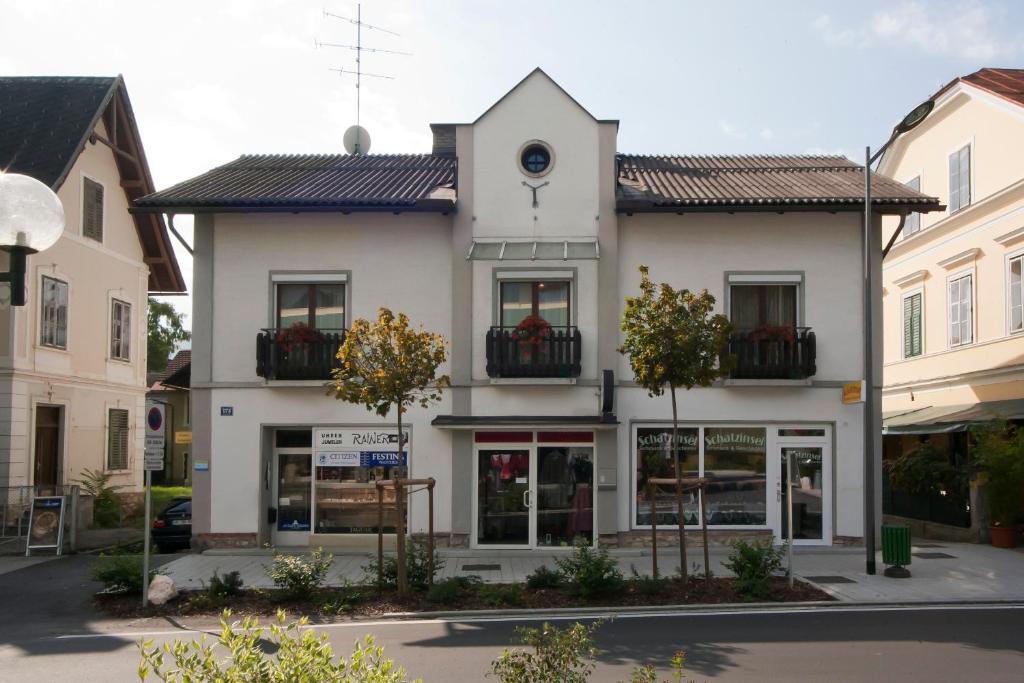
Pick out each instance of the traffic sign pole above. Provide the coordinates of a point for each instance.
(145, 542)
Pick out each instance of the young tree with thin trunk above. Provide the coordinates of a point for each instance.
(674, 339)
(385, 365)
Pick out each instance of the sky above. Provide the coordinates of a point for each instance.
(212, 79)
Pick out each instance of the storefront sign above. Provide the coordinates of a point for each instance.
(337, 459)
(745, 440)
(358, 447)
(853, 392)
(46, 523)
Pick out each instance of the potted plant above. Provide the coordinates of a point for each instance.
(999, 450)
(530, 333)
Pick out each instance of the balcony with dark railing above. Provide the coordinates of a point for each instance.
(772, 353)
(290, 354)
(553, 353)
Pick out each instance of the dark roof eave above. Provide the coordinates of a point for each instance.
(422, 206)
(885, 206)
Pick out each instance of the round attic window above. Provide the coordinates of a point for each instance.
(535, 158)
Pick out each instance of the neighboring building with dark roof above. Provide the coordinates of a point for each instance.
(954, 280)
(73, 361)
(528, 212)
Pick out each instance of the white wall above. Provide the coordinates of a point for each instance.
(401, 262)
(568, 206)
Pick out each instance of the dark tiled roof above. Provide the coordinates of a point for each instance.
(1006, 83)
(331, 181)
(754, 182)
(44, 123)
(182, 361)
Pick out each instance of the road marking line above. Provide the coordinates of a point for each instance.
(215, 631)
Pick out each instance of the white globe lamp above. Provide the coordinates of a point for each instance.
(31, 220)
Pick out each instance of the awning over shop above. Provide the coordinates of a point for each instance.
(953, 418)
(481, 421)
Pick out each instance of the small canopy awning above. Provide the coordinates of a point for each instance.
(952, 418)
(607, 421)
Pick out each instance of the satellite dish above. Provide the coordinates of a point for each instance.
(357, 140)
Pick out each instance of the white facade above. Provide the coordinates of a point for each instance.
(417, 263)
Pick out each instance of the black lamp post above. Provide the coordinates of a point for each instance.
(31, 220)
(910, 121)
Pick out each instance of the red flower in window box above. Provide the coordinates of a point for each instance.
(773, 333)
(533, 329)
(298, 333)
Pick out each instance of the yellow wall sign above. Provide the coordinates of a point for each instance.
(853, 392)
(182, 437)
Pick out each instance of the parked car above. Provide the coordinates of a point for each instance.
(172, 528)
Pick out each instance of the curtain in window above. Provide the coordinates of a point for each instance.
(756, 305)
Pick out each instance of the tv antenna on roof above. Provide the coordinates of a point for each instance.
(357, 139)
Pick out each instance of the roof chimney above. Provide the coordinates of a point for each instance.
(444, 139)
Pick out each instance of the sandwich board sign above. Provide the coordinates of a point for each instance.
(45, 524)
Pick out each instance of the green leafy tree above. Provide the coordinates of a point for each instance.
(240, 653)
(674, 339)
(999, 451)
(166, 330)
(388, 366)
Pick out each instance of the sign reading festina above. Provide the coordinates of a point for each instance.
(358, 447)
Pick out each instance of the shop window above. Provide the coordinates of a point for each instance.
(317, 305)
(735, 461)
(565, 495)
(655, 459)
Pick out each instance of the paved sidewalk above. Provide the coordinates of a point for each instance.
(958, 572)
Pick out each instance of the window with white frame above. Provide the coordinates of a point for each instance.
(54, 313)
(117, 439)
(120, 330)
(912, 224)
(913, 317)
(961, 314)
(92, 209)
(960, 179)
(1015, 296)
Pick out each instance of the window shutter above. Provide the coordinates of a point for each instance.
(965, 176)
(912, 326)
(92, 209)
(117, 439)
(954, 182)
(916, 318)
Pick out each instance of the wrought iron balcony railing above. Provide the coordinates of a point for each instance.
(773, 353)
(554, 354)
(282, 354)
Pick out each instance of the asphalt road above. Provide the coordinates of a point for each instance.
(59, 638)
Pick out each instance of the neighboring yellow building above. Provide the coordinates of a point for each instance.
(953, 296)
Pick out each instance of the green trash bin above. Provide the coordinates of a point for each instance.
(896, 550)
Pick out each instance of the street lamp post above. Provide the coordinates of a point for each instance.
(910, 121)
(31, 220)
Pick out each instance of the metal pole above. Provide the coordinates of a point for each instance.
(430, 532)
(789, 515)
(654, 529)
(869, 377)
(145, 542)
(400, 535)
(704, 531)
(380, 536)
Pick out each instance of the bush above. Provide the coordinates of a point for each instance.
(416, 563)
(450, 590)
(120, 572)
(106, 506)
(565, 655)
(298, 576)
(1000, 451)
(648, 585)
(225, 586)
(501, 596)
(590, 572)
(753, 564)
(296, 654)
(925, 471)
(542, 577)
(648, 674)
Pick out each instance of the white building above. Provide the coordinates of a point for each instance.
(73, 360)
(530, 209)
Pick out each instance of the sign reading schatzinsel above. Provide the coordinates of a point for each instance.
(358, 447)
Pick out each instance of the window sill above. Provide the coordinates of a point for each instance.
(534, 381)
(55, 349)
(767, 382)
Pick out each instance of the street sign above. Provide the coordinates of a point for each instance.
(182, 437)
(153, 461)
(227, 411)
(853, 392)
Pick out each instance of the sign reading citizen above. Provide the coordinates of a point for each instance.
(358, 447)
